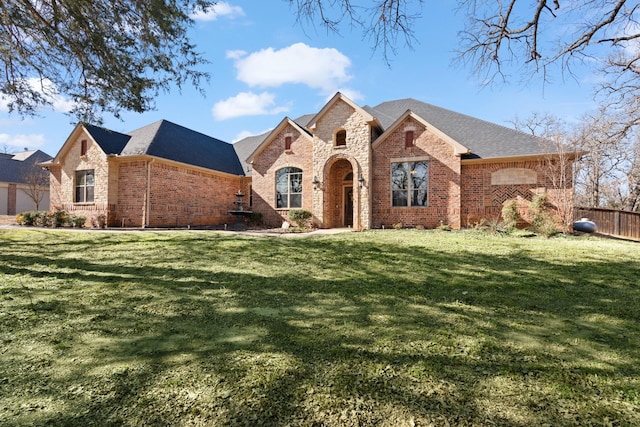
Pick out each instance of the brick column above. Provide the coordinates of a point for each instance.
(11, 199)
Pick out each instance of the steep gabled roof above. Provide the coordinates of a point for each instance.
(110, 142)
(458, 149)
(311, 124)
(174, 142)
(281, 126)
(15, 167)
(484, 139)
(246, 146)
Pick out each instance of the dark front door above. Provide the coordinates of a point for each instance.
(348, 206)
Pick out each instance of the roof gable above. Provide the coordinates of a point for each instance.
(458, 149)
(312, 123)
(274, 133)
(110, 142)
(483, 139)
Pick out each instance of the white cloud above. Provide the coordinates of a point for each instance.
(352, 94)
(235, 54)
(246, 104)
(218, 10)
(22, 140)
(50, 93)
(324, 69)
(247, 133)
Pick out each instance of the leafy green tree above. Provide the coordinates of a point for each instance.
(106, 55)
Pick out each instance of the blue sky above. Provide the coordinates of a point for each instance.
(265, 65)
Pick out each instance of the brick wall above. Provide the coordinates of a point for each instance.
(180, 196)
(274, 157)
(486, 186)
(443, 177)
(62, 178)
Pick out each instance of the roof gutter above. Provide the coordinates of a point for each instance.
(146, 208)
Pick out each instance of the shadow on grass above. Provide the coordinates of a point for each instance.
(183, 328)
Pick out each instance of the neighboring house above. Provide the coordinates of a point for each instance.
(22, 182)
(402, 161)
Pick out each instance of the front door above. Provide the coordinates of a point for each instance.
(348, 206)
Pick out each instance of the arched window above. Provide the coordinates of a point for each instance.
(289, 188)
(341, 137)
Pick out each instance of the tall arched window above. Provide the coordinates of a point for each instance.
(289, 188)
(341, 137)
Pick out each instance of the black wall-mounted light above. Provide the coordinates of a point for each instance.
(361, 181)
(315, 182)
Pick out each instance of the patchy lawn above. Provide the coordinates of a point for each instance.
(376, 328)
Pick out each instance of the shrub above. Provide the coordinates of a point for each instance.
(99, 221)
(77, 221)
(419, 227)
(398, 226)
(28, 218)
(256, 219)
(58, 218)
(42, 219)
(444, 227)
(301, 217)
(510, 214)
(542, 219)
(20, 219)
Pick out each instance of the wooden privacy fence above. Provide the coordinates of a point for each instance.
(612, 222)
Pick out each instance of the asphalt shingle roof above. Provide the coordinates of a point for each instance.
(484, 139)
(174, 142)
(109, 141)
(15, 167)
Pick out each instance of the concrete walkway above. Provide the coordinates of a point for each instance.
(271, 232)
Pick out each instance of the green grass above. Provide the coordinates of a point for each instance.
(375, 328)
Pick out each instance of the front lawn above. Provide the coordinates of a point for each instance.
(385, 328)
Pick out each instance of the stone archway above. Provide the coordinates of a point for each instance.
(341, 207)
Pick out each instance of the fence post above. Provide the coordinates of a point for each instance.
(616, 223)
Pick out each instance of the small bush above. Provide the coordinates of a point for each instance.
(542, 219)
(398, 226)
(77, 221)
(444, 227)
(510, 214)
(58, 218)
(301, 217)
(419, 227)
(256, 219)
(42, 219)
(99, 221)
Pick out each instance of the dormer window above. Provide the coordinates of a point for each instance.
(287, 142)
(341, 138)
(409, 138)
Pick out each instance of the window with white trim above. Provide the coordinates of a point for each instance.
(409, 184)
(289, 188)
(85, 183)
